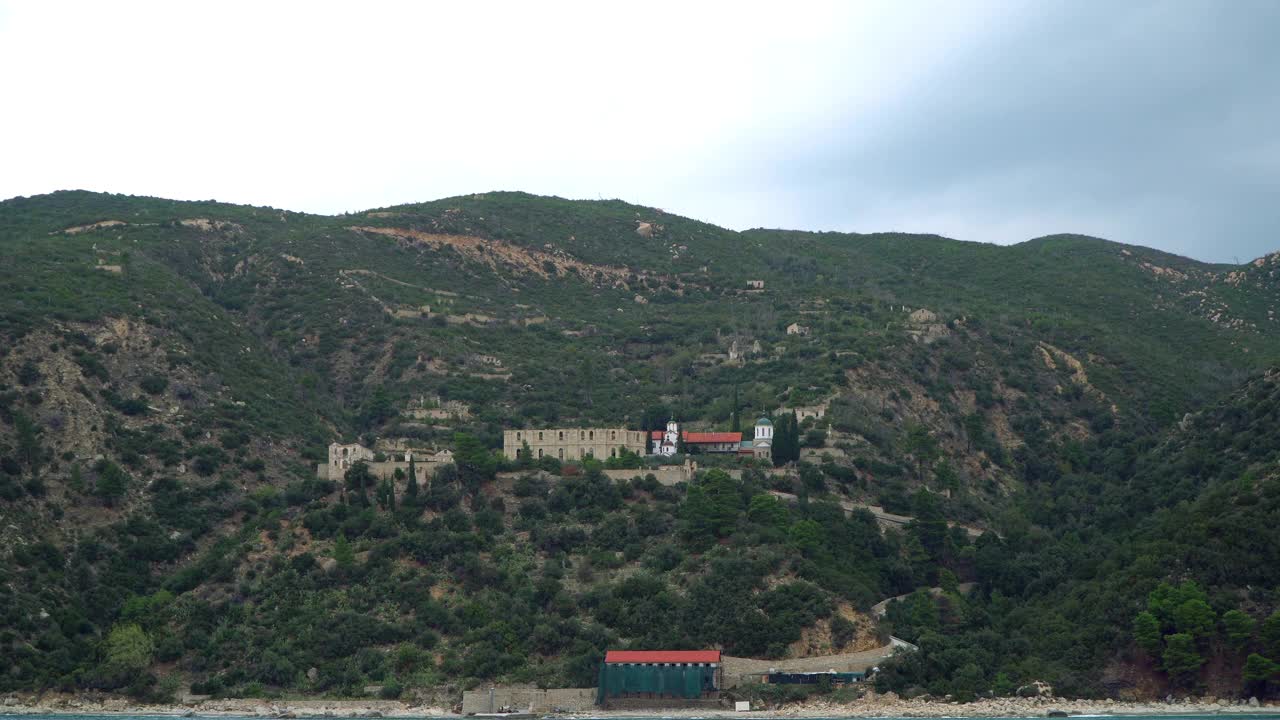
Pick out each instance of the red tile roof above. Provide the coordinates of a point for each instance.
(662, 656)
(702, 437)
(713, 437)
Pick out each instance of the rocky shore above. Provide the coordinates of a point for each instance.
(869, 706)
(890, 705)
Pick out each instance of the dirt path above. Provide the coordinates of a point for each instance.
(881, 515)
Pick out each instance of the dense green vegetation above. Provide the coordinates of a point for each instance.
(168, 382)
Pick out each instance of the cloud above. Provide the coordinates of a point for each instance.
(1145, 122)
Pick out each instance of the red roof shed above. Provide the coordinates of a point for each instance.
(662, 656)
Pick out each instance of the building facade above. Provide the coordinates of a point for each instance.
(761, 445)
(573, 443)
(342, 457)
(667, 442)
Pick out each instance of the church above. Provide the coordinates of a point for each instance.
(667, 442)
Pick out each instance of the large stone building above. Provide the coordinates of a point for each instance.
(342, 457)
(573, 443)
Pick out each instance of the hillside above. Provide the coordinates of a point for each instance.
(171, 373)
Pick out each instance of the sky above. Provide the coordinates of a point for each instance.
(1151, 123)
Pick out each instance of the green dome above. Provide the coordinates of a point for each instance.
(764, 421)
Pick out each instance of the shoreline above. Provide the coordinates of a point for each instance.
(870, 706)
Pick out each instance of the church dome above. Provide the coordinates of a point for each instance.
(764, 421)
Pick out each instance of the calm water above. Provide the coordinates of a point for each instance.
(727, 713)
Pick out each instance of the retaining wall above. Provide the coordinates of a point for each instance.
(528, 700)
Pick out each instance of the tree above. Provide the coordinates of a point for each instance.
(112, 481)
(128, 649)
(920, 445)
(358, 478)
(1239, 628)
(1146, 631)
(767, 510)
(411, 489)
(476, 464)
(1195, 618)
(1166, 598)
(342, 551)
(946, 477)
(712, 506)
(786, 440)
(386, 496)
(1258, 671)
(29, 449)
(1181, 659)
(807, 536)
(1271, 634)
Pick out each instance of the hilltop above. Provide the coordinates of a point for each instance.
(172, 372)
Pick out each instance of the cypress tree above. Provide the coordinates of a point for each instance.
(411, 490)
(793, 438)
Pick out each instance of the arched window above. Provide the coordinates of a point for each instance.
(539, 453)
(539, 434)
(581, 435)
(591, 435)
(517, 435)
(562, 435)
(613, 434)
(561, 453)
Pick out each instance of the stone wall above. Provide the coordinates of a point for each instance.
(573, 443)
(558, 700)
(383, 470)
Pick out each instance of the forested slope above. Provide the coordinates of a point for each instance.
(171, 372)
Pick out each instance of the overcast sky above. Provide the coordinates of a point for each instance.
(1154, 123)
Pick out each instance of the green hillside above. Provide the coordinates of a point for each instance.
(171, 372)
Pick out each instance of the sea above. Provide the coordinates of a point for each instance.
(1246, 715)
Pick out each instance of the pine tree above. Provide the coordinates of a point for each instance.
(342, 551)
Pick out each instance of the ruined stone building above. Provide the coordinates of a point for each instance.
(342, 457)
(573, 443)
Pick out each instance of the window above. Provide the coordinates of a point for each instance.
(591, 435)
(539, 453)
(562, 435)
(613, 452)
(581, 435)
(517, 435)
(581, 453)
(561, 453)
(539, 434)
(613, 434)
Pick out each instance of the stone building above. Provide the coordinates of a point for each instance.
(573, 443)
(797, 329)
(342, 457)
